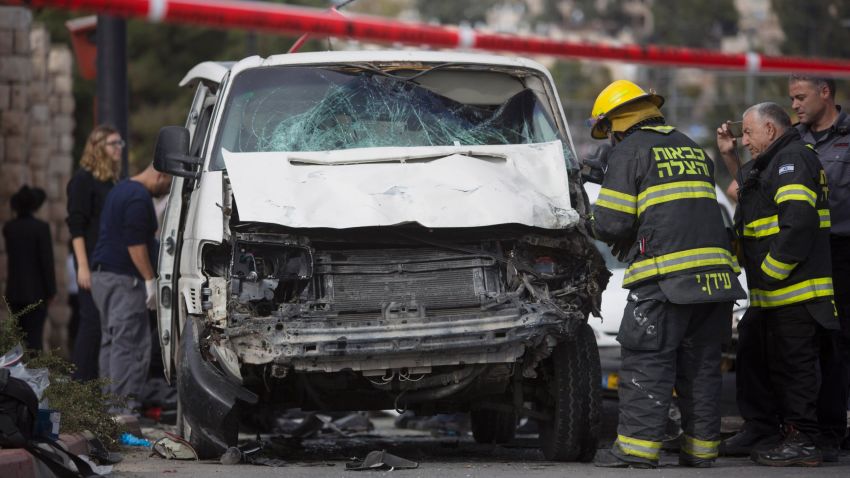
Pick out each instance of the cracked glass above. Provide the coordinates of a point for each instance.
(302, 109)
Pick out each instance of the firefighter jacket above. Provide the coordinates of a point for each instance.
(659, 195)
(783, 222)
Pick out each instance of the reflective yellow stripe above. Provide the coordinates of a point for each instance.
(673, 191)
(763, 227)
(799, 292)
(825, 220)
(659, 129)
(700, 448)
(776, 269)
(636, 447)
(795, 192)
(678, 261)
(768, 226)
(617, 201)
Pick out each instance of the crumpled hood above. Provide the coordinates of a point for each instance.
(440, 187)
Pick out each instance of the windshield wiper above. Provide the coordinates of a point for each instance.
(410, 158)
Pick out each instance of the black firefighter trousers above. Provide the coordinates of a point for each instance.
(667, 346)
(777, 369)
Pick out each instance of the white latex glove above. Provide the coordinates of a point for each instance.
(150, 294)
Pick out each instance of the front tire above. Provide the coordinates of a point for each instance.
(573, 375)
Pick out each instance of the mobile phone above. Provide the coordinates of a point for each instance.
(736, 128)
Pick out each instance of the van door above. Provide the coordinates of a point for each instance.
(169, 305)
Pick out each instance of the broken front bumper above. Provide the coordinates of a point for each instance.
(395, 340)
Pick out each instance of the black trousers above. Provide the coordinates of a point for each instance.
(32, 324)
(778, 374)
(835, 351)
(675, 346)
(87, 343)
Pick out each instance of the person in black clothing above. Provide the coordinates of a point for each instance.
(87, 192)
(31, 276)
(658, 211)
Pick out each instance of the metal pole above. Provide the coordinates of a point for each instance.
(112, 90)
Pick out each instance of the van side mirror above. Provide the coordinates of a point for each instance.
(171, 155)
(594, 168)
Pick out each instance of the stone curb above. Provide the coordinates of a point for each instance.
(19, 463)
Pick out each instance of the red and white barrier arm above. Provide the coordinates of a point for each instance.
(291, 20)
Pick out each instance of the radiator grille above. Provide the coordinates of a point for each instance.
(364, 280)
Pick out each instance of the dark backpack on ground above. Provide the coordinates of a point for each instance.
(18, 411)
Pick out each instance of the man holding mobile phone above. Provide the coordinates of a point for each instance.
(826, 127)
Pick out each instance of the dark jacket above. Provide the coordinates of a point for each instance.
(783, 221)
(86, 196)
(659, 193)
(31, 275)
(834, 153)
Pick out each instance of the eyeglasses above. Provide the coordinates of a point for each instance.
(119, 143)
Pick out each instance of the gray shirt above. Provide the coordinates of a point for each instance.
(834, 152)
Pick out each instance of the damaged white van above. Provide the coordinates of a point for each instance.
(377, 230)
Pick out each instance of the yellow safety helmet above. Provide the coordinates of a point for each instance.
(615, 95)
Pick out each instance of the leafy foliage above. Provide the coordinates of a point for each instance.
(82, 405)
(815, 28)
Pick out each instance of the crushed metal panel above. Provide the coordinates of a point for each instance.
(529, 187)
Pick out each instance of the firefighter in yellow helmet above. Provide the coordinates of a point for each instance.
(658, 210)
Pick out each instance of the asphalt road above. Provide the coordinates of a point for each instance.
(446, 457)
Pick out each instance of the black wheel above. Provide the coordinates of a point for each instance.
(573, 384)
(492, 426)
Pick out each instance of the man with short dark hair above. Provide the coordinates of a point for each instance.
(123, 286)
(783, 224)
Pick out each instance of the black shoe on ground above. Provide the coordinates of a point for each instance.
(612, 458)
(746, 442)
(831, 453)
(795, 450)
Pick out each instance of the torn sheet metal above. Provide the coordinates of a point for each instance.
(445, 186)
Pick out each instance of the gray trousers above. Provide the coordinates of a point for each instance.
(125, 343)
(667, 346)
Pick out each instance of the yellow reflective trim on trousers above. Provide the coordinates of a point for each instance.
(673, 191)
(637, 447)
(768, 226)
(700, 448)
(799, 292)
(678, 261)
(795, 192)
(617, 201)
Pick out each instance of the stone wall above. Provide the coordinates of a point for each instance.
(36, 140)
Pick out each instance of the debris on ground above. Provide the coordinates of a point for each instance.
(132, 440)
(381, 460)
(172, 447)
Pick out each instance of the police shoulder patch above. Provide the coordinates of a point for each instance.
(786, 168)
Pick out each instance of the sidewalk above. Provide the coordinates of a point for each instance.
(19, 463)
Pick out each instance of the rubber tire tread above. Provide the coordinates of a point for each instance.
(573, 433)
(492, 426)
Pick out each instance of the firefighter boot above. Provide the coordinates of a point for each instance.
(796, 449)
(615, 458)
(747, 441)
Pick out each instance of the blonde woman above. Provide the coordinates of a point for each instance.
(87, 192)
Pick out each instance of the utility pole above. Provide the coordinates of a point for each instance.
(112, 89)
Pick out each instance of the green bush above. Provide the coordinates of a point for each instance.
(82, 405)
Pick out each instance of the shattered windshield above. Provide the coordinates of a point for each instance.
(301, 109)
